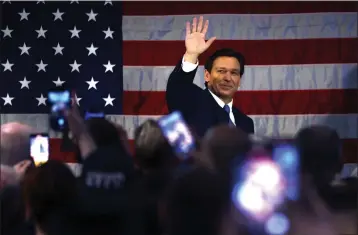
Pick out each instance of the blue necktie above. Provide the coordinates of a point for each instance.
(227, 109)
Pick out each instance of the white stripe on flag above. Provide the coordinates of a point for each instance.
(267, 125)
(245, 26)
(274, 77)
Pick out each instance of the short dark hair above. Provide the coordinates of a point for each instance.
(319, 144)
(152, 150)
(225, 52)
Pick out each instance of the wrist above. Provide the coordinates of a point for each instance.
(191, 58)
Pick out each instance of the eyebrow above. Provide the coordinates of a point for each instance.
(228, 69)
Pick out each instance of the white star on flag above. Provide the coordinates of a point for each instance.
(25, 83)
(109, 100)
(7, 99)
(92, 50)
(108, 2)
(58, 49)
(77, 100)
(75, 32)
(41, 66)
(41, 100)
(7, 32)
(109, 67)
(74, 1)
(75, 66)
(24, 15)
(109, 33)
(91, 16)
(24, 49)
(41, 1)
(58, 15)
(92, 84)
(7, 66)
(6, 1)
(58, 82)
(41, 32)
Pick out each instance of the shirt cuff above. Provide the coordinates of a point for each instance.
(188, 67)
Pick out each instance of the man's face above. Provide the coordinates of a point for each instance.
(224, 78)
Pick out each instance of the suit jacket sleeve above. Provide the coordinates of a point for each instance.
(181, 90)
(252, 127)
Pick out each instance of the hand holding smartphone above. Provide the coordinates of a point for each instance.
(265, 184)
(39, 148)
(177, 133)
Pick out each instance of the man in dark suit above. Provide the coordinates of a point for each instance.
(203, 109)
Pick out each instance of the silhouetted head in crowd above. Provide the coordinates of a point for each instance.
(13, 212)
(222, 144)
(320, 150)
(49, 192)
(199, 202)
(15, 143)
(104, 132)
(152, 150)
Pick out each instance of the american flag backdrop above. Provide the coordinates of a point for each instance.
(301, 60)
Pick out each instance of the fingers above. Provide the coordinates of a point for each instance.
(206, 26)
(200, 25)
(194, 25)
(73, 114)
(26, 164)
(209, 42)
(74, 109)
(188, 32)
(74, 100)
(23, 164)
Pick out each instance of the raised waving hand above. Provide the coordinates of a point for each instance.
(195, 39)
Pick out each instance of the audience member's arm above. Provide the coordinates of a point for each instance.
(78, 128)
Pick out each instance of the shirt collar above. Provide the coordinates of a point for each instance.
(219, 101)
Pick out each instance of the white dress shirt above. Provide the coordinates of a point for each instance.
(188, 67)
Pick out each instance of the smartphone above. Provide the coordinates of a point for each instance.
(39, 148)
(264, 184)
(259, 188)
(60, 100)
(178, 134)
(89, 115)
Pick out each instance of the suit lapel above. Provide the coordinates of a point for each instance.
(220, 115)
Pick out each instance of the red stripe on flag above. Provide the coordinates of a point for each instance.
(257, 102)
(256, 52)
(239, 7)
(57, 154)
(349, 148)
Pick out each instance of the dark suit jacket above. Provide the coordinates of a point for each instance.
(198, 106)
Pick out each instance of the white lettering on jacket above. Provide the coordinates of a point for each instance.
(105, 180)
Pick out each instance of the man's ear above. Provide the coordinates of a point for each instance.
(206, 76)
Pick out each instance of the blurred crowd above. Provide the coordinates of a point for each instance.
(153, 192)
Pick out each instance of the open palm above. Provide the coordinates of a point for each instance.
(195, 37)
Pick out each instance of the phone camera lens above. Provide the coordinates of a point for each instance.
(61, 121)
